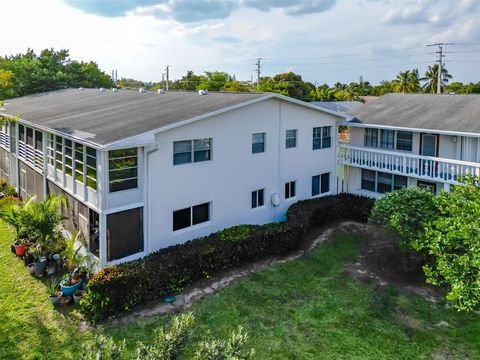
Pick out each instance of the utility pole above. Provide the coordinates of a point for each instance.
(116, 76)
(259, 67)
(168, 76)
(441, 55)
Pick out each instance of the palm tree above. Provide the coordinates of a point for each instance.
(407, 82)
(431, 76)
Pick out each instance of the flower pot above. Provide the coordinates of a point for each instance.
(75, 279)
(20, 250)
(31, 268)
(12, 248)
(40, 265)
(77, 296)
(69, 290)
(51, 268)
(65, 300)
(28, 259)
(55, 299)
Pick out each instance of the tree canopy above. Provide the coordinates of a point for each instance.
(29, 73)
(445, 230)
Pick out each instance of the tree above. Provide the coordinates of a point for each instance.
(407, 82)
(452, 242)
(445, 230)
(288, 84)
(214, 81)
(29, 73)
(431, 78)
(236, 86)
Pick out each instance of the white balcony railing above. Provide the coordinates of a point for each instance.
(30, 155)
(422, 167)
(5, 140)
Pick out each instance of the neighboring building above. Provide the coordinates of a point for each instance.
(143, 170)
(410, 140)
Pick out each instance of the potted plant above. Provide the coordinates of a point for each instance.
(54, 293)
(67, 287)
(77, 296)
(40, 261)
(20, 247)
(65, 300)
(31, 268)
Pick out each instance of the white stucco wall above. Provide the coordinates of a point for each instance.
(234, 172)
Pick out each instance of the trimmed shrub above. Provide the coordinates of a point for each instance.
(118, 288)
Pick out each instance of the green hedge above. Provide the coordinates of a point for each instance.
(119, 288)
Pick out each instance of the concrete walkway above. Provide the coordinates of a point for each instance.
(202, 288)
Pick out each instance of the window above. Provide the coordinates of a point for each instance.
(317, 141)
(387, 138)
(326, 138)
(290, 189)
(124, 233)
(68, 157)
(371, 137)
(21, 133)
(322, 137)
(51, 149)
(29, 136)
(79, 161)
(187, 151)
(257, 198)
(404, 140)
(258, 143)
(368, 180)
(123, 169)
(399, 182)
(13, 138)
(38, 140)
(91, 168)
(382, 182)
(291, 139)
(325, 183)
(320, 184)
(191, 216)
(58, 152)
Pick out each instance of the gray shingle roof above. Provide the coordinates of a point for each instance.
(106, 117)
(342, 107)
(456, 113)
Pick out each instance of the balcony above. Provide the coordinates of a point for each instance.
(421, 167)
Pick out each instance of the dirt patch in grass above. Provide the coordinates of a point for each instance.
(383, 263)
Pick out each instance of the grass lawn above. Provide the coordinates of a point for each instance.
(304, 309)
(30, 328)
(309, 309)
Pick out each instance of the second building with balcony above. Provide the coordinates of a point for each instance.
(402, 140)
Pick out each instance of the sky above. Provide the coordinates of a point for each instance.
(325, 41)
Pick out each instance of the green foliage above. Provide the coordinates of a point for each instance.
(29, 73)
(167, 341)
(452, 240)
(405, 212)
(238, 232)
(103, 348)
(72, 254)
(446, 230)
(431, 79)
(119, 288)
(214, 81)
(233, 348)
(407, 82)
(288, 84)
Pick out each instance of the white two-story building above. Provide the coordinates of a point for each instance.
(145, 170)
(401, 140)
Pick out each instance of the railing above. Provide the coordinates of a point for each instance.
(422, 167)
(5, 140)
(30, 155)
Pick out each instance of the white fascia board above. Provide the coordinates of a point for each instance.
(134, 140)
(441, 132)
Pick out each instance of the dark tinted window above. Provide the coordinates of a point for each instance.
(325, 186)
(315, 185)
(124, 233)
(200, 213)
(181, 219)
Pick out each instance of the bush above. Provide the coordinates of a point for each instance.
(238, 232)
(168, 342)
(6, 189)
(233, 348)
(119, 288)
